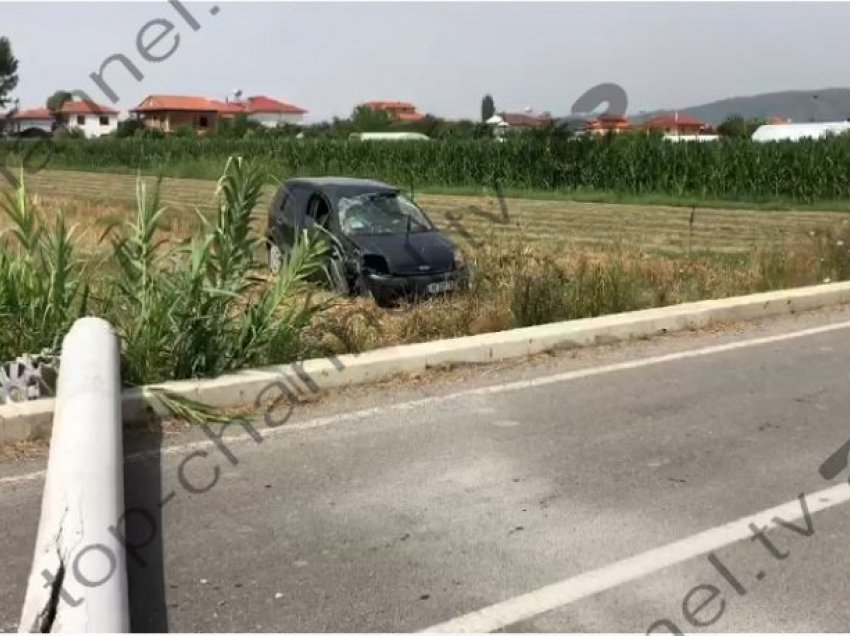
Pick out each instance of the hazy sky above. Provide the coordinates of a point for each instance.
(327, 57)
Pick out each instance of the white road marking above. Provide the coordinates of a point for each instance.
(17, 479)
(320, 422)
(544, 599)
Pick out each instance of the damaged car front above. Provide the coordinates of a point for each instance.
(400, 253)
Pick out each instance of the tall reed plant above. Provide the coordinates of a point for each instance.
(197, 308)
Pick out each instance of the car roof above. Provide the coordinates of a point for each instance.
(336, 187)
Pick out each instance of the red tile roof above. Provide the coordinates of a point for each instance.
(227, 108)
(263, 104)
(672, 121)
(613, 118)
(33, 113)
(154, 103)
(388, 105)
(256, 104)
(609, 122)
(86, 107)
(523, 120)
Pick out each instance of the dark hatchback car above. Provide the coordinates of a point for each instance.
(382, 244)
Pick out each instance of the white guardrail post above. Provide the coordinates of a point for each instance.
(78, 581)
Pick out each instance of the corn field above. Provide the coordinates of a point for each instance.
(804, 171)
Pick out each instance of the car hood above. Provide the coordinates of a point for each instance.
(406, 254)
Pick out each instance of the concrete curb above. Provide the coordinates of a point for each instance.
(253, 387)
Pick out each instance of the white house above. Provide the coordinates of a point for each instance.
(795, 132)
(31, 122)
(270, 112)
(93, 119)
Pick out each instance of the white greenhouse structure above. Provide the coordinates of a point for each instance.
(388, 136)
(700, 138)
(795, 132)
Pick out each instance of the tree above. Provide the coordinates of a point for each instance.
(367, 119)
(63, 132)
(339, 128)
(736, 127)
(55, 101)
(128, 128)
(237, 127)
(186, 131)
(8, 71)
(488, 108)
(426, 126)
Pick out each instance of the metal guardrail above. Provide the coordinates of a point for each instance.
(78, 581)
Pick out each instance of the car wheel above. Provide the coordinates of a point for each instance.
(275, 258)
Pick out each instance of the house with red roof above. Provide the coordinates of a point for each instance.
(227, 110)
(524, 120)
(271, 112)
(608, 124)
(171, 112)
(168, 113)
(400, 111)
(95, 120)
(675, 124)
(91, 118)
(31, 122)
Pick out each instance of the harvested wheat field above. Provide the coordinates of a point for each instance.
(472, 219)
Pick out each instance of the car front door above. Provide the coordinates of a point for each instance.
(289, 212)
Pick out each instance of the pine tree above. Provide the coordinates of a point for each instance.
(8, 71)
(488, 108)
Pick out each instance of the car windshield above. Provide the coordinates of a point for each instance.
(381, 213)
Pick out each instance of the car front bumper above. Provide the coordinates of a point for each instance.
(387, 287)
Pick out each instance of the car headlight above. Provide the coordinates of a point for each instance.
(460, 261)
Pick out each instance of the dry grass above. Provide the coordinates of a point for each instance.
(521, 285)
(92, 218)
(471, 218)
(23, 450)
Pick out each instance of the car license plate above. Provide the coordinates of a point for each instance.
(440, 287)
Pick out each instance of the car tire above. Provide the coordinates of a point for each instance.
(276, 258)
(382, 301)
(364, 291)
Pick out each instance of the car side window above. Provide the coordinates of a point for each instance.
(319, 210)
(293, 206)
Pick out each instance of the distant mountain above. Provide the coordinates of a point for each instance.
(826, 104)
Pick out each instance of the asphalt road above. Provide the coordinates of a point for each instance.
(587, 491)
